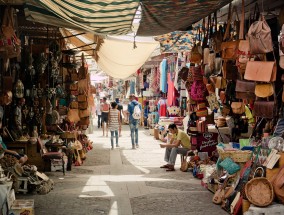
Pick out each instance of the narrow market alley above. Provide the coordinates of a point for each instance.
(124, 182)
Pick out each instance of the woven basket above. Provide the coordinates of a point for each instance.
(259, 191)
(237, 156)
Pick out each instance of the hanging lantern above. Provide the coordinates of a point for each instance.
(19, 89)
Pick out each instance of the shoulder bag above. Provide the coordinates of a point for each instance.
(264, 71)
(260, 39)
(245, 89)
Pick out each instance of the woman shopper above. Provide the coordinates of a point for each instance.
(114, 123)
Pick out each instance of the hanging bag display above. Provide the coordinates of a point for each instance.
(10, 45)
(260, 39)
(264, 109)
(73, 115)
(217, 36)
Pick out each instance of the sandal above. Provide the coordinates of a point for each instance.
(170, 169)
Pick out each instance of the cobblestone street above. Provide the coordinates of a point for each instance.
(124, 182)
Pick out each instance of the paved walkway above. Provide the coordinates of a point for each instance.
(125, 182)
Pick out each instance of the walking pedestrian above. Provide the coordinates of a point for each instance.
(119, 108)
(114, 123)
(99, 113)
(105, 111)
(134, 109)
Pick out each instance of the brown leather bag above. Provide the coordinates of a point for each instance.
(264, 90)
(183, 73)
(230, 50)
(221, 83)
(260, 39)
(83, 86)
(195, 56)
(245, 89)
(74, 105)
(238, 107)
(278, 185)
(264, 109)
(83, 105)
(82, 98)
(230, 70)
(84, 113)
(74, 87)
(261, 71)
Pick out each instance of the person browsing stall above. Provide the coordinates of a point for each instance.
(105, 107)
(179, 144)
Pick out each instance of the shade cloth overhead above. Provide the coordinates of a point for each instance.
(119, 59)
(178, 41)
(112, 17)
(164, 16)
(87, 42)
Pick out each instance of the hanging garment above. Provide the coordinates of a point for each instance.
(132, 87)
(162, 106)
(163, 75)
(171, 90)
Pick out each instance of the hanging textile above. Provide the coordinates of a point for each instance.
(163, 16)
(163, 76)
(132, 87)
(162, 107)
(118, 59)
(138, 89)
(99, 17)
(171, 90)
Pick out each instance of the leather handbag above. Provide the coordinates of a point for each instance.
(74, 75)
(201, 105)
(230, 50)
(74, 93)
(206, 53)
(230, 70)
(84, 121)
(84, 113)
(238, 107)
(83, 105)
(264, 90)
(210, 88)
(195, 56)
(264, 109)
(83, 86)
(260, 39)
(218, 66)
(278, 185)
(74, 105)
(243, 56)
(211, 62)
(245, 89)
(82, 98)
(261, 71)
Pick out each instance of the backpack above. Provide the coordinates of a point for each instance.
(136, 112)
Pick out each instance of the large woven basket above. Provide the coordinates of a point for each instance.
(259, 191)
(237, 156)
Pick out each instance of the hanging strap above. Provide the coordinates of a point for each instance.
(230, 16)
(242, 25)
(215, 21)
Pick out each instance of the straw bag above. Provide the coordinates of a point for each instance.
(83, 105)
(73, 116)
(82, 98)
(259, 191)
(74, 105)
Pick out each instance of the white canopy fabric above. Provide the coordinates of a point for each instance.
(119, 59)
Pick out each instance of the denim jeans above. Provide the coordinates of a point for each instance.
(134, 133)
(112, 133)
(171, 154)
(99, 121)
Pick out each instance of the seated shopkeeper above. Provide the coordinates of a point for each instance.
(179, 144)
(3, 148)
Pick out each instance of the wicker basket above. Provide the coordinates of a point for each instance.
(237, 156)
(259, 191)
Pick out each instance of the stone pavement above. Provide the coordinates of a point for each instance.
(125, 182)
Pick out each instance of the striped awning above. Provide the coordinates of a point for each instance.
(163, 16)
(113, 17)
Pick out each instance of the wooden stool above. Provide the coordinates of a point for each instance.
(25, 187)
